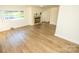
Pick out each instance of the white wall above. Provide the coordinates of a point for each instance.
(45, 15)
(54, 15)
(36, 9)
(50, 14)
(68, 23)
(7, 24)
(31, 19)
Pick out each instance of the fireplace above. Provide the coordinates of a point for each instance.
(37, 20)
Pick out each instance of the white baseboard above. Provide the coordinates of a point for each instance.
(68, 39)
(8, 28)
(4, 29)
(53, 24)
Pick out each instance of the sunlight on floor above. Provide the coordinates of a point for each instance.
(16, 38)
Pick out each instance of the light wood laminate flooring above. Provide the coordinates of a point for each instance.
(35, 39)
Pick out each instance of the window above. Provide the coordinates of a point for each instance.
(12, 15)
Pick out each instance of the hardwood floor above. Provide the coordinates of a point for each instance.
(37, 39)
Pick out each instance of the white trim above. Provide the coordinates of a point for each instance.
(57, 35)
(53, 24)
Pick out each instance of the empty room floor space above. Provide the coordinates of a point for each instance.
(37, 38)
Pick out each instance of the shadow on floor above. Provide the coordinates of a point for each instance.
(1, 49)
